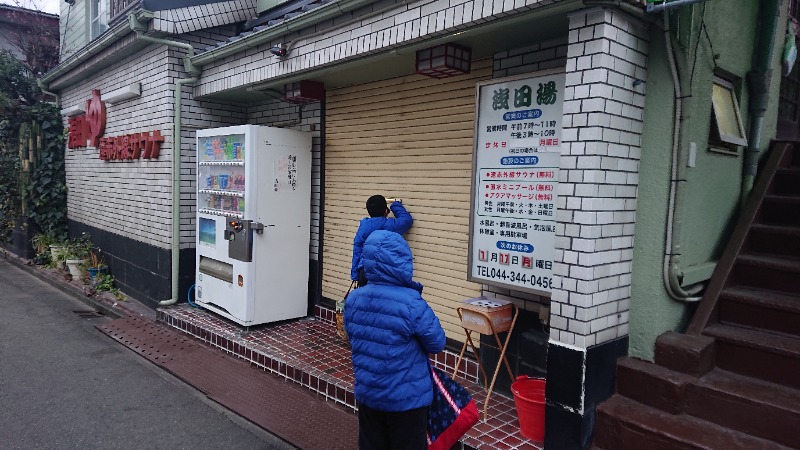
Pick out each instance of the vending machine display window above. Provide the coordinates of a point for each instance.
(207, 232)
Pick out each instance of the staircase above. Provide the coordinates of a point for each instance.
(732, 381)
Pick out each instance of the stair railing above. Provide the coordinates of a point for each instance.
(707, 309)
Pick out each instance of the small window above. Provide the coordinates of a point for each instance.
(726, 120)
(98, 18)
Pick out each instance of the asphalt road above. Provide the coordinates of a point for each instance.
(65, 385)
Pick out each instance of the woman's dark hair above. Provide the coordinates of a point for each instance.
(376, 206)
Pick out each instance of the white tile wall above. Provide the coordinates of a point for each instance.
(133, 198)
(606, 52)
(194, 18)
(416, 20)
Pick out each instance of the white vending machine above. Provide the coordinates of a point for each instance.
(253, 222)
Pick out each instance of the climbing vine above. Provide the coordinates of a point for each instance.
(31, 153)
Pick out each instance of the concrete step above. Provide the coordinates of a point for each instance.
(773, 272)
(780, 210)
(761, 309)
(758, 354)
(748, 405)
(652, 385)
(773, 239)
(623, 424)
(684, 353)
(787, 181)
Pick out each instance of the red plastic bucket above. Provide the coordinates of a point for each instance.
(529, 399)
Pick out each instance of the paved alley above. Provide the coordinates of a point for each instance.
(65, 385)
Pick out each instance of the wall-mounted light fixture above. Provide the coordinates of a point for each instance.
(69, 2)
(304, 92)
(76, 110)
(133, 90)
(442, 61)
(279, 50)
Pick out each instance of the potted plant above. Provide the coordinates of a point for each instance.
(41, 243)
(96, 265)
(76, 252)
(57, 256)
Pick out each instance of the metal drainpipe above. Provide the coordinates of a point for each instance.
(758, 81)
(194, 73)
(176, 190)
(43, 88)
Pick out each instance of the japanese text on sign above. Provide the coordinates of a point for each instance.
(515, 182)
(285, 174)
(88, 129)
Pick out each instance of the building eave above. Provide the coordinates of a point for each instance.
(321, 14)
(108, 38)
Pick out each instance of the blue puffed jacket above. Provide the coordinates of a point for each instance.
(399, 224)
(391, 329)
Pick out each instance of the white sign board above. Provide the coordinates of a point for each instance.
(515, 179)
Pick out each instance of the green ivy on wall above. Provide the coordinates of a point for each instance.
(32, 176)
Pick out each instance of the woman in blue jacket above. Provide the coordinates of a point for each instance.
(391, 330)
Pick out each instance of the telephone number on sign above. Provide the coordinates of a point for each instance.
(511, 276)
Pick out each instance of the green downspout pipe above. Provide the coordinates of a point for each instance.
(176, 190)
(194, 75)
(758, 81)
(43, 86)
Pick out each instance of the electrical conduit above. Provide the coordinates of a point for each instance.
(672, 247)
(758, 82)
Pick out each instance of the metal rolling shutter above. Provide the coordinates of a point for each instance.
(409, 137)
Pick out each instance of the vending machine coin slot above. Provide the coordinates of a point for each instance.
(239, 234)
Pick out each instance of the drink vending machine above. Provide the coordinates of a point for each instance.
(253, 222)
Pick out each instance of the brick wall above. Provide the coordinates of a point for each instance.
(603, 113)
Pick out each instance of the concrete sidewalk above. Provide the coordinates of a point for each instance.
(292, 413)
(65, 385)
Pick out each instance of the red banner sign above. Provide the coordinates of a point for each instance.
(88, 129)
